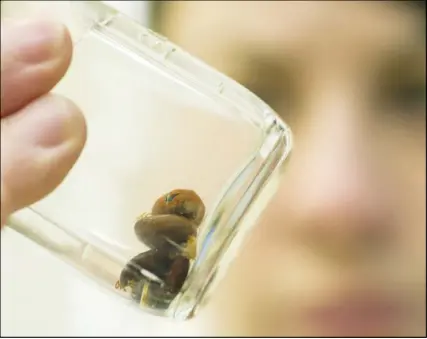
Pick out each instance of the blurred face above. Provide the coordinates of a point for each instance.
(340, 251)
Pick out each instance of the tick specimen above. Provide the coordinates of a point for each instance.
(170, 231)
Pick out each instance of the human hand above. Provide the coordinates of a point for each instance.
(42, 134)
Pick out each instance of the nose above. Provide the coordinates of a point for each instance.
(334, 190)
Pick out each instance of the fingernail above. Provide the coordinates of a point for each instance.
(36, 40)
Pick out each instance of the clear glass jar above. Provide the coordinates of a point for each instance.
(179, 162)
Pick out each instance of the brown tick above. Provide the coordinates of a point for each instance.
(170, 231)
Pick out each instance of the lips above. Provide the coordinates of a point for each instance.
(357, 315)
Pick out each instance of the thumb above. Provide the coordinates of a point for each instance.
(39, 145)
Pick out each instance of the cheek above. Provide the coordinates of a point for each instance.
(267, 284)
(408, 173)
(413, 231)
(260, 273)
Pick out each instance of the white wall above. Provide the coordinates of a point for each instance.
(137, 10)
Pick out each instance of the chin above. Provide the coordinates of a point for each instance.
(260, 328)
(264, 317)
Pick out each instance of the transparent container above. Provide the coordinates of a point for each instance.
(179, 162)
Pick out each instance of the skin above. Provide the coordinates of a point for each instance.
(347, 226)
(42, 134)
(349, 216)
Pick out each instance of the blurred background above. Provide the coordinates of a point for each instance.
(349, 79)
